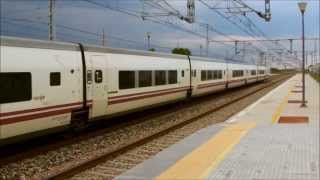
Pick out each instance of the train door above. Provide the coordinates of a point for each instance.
(99, 86)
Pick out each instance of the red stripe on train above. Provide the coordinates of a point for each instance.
(142, 93)
(37, 115)
(41, 109)
(145, 96)
(211, 85)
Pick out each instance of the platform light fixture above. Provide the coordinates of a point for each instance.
(303, 6)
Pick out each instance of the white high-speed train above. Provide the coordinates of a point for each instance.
(48, 85)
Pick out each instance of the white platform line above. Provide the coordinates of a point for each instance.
(249, 108)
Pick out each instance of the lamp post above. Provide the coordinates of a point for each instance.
(148, 37)
(302, 7)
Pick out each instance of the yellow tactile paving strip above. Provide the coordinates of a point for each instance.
(200, 162)
(281, 106)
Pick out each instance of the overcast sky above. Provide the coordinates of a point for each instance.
(28, 18)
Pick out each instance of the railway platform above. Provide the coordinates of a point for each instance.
(274, 138)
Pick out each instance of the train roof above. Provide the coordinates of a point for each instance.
(44, 44)
(35, 43)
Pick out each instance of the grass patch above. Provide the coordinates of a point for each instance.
(316, 77)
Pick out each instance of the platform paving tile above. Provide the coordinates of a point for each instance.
(273, 153)
(154, 166)
(277, 151)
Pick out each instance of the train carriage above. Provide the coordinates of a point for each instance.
(252, 74)
(131, 80)
(47, 86)
(237, 74)
(39, 87)
(208, 76)
(262, 73)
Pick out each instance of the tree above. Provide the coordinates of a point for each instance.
(182, 51)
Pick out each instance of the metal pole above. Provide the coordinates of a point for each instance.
(315, 52)
(148, 36)
(235, 47)
(290, 40)
(103, 38)
(207, 40)
(207, 43)
(51, 20)
(303, 104)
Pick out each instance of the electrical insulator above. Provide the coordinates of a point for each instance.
(191, 11)
(267, 10)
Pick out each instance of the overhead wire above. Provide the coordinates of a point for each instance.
(258, 33)
(83, 31)
(166, 23)
(154, 20)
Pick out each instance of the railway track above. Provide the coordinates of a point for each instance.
(107, 163)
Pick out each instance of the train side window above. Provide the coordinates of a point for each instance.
(237, 73)
(216, 74)
(220, 74)
(194, 73)
(55, 79)
(209, 75)
(98, 77)
(253, 72)
(203, 75)
(145, 78)
(15, 87)
(89, 76)
(126, 79)
(160, 77)
(172, 77)
(182, 73)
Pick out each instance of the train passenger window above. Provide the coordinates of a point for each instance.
(145, 78)
(89, 76)
(203, 75)
(172, 77)
(210, 75)
(237, 73)
(253, 72)
(126, 79)
(160, 77)
(98, 76)
(220, 74)
(261, 71)
(182, 73)
(55, 79)
(15, 87)
(215, 74)
(194, 73)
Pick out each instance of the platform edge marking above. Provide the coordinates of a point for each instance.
(228, 149)
(235, 118)
(281, 106)
(208, 155)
